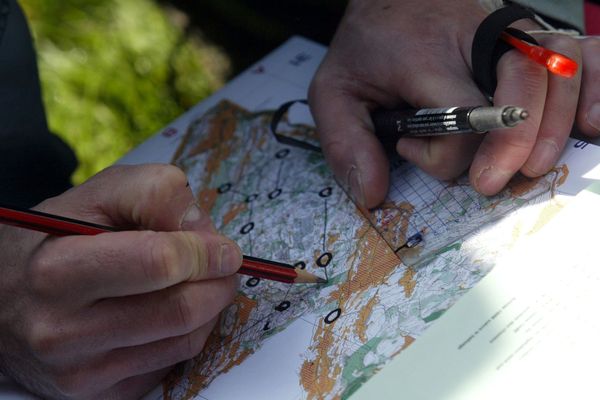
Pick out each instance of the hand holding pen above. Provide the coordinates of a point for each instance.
(414, 54)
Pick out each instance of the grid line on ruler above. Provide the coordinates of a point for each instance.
(436, 197)
(395, 192)
(416, 190)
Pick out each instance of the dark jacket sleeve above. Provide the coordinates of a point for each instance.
(34, 164)
(569, 12)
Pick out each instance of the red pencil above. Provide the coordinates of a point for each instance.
(61, 226)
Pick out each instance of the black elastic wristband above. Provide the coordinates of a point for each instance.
(488, 47)
(289, 141)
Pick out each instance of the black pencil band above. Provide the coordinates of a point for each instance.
(487, 46)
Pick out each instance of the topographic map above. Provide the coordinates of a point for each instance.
(390, 273)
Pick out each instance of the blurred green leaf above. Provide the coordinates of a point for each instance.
(114, 72)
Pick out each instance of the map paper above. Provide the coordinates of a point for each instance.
(528, 330)
(324, 341)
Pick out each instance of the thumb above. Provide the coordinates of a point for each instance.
(346, 134)
(150, 197)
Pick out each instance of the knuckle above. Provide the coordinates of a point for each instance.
(591, 44)
(318, 85)
(330, 84)
(521, 143)
(166, 182)
(167, 174)
(73, 383)
(561, 42)
(46, 272)
(44, 275)
(444, 169)
(333, 147)
(516, 70)
(330, 66)
(205, 257)
(531, 78)
(109, 173)
(444, 164)
(162, 260)
(590, 48)
(338, 152)
(91, 190)
(188, 347)
(443, 173)
(314, 87)
(113, 170)
(230, 290)
(45, 342)
(183, 312)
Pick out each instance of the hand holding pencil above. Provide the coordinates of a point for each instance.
(110, 314)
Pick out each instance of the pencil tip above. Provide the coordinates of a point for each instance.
(307, 277)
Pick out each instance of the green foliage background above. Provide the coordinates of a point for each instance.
(114, 72)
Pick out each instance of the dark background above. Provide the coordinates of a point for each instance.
(114, 72)
(249, 29)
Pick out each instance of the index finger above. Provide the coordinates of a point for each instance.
(150, 196)
(502, 153)
(127, 263)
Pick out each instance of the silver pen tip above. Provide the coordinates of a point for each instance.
(512, 115)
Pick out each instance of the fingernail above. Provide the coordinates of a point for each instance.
(491, 179)
(196, 219)
(230, 259)
(543, 157)
(192, 216)
(593, 116)
(356, 186)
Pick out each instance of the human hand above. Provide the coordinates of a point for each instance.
(106, 316)
(413, 53)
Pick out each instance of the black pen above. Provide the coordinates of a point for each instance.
(391, 125)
